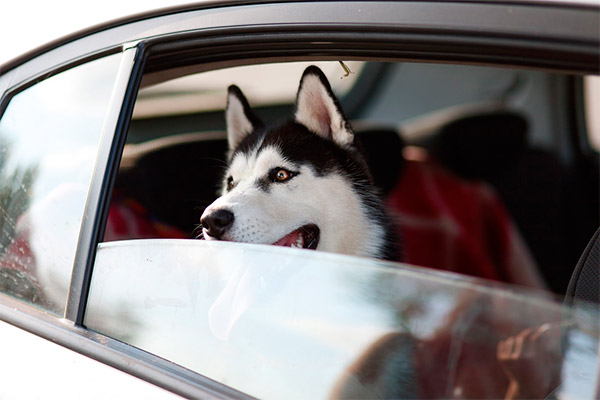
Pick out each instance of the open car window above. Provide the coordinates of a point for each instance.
(485, 152)
(276, 323)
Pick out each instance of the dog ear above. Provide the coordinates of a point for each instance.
(241, 120)
(318, 109)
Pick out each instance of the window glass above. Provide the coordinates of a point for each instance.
(288, 323)
(49, 136)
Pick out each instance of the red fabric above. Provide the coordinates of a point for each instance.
(128, 219)
(448, 223)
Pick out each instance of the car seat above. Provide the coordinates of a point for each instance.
(444, 221)
(174, 178)
(383, 149)
(492, 147)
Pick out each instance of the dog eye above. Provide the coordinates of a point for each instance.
(230, 184)
(281, 175)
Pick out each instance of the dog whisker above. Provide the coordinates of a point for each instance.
(199, 236)
(218, 160)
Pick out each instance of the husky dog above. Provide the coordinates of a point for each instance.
(303, 183)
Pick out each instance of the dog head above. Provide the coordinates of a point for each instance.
(297, 184)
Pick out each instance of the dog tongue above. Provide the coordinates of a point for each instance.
(288, 239)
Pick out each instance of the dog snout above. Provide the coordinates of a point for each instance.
(217, 222)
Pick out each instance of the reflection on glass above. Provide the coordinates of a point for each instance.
(49, 136)
(288, 323)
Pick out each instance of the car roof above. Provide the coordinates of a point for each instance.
(207, 4)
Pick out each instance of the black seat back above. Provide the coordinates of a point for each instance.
(176, 182)
(493, 148)
(383, 150)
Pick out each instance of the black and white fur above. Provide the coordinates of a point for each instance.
(302, 183)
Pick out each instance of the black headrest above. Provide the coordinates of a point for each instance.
(383, 149)
(175, 183)
(479, 146)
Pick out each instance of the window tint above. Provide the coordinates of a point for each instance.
(49, 136)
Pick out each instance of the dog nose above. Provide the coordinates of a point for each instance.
(217, 222)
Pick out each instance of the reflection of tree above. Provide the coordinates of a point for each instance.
(15, 194)
(20, 285)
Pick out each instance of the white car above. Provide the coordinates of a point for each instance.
(480, 122)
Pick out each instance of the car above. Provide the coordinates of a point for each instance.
(479, 122)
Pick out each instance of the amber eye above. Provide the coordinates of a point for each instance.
(230, 184)
(282, 175)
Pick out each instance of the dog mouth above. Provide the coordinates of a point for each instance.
(305, 237)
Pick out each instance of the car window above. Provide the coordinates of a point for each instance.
(49, 137)
(437, 137)
(288, 323)
(471, 166)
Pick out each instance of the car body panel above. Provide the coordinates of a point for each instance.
(87, 378)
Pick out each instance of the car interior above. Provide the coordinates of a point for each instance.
(486, 171)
